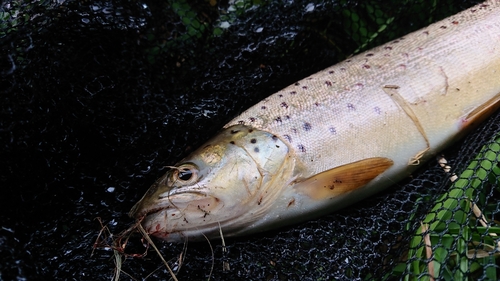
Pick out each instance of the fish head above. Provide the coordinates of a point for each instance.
(229, 182)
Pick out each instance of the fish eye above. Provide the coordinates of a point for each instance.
(185, 174)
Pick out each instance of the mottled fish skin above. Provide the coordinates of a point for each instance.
(337, 136)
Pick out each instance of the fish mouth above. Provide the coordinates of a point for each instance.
(147, 206)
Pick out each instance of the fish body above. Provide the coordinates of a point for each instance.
(335, 137)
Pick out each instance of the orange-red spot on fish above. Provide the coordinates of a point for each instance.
(455, 22)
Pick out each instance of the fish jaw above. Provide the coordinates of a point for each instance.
(229, 183)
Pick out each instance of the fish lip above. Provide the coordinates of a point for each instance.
(145, 212)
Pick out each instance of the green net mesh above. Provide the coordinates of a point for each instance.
(98, 96)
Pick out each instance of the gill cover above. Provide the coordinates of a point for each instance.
(228, 181)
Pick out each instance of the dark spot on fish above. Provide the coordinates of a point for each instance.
(365, 66)
(348, 60)
(307, 126)
(351, 106)
(275, 138)
(294, 130)
(395, 42)
(231, 142)
(292, 202)
(278, 119)
(260, 201)
(253, 140)
(328, 83)
(241, 122)
(252, 119)
(297, 84)
(293, 93)
(443, 27)
(217, 199)
(283, 104)
(332, 130)
(369, 55)
(301, 148)
(277, 146)
(256, 150)
(263, 107)
(455, 22)
(250, 130)
(426, 32)
(288, 138)
(280, 95)
(388, 47)
(304, 87)
(316, 103)
(235, 131)
(377, 110)
(287, 117)
(331, 72)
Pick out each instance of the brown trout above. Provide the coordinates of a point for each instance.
(335, 137)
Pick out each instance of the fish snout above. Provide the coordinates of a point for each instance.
(149, 199)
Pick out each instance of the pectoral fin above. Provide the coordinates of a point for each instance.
(343, 179)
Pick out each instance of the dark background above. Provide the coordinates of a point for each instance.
(97, 96)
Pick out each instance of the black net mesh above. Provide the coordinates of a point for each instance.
(97, 96)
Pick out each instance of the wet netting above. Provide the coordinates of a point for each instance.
(96, 97)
